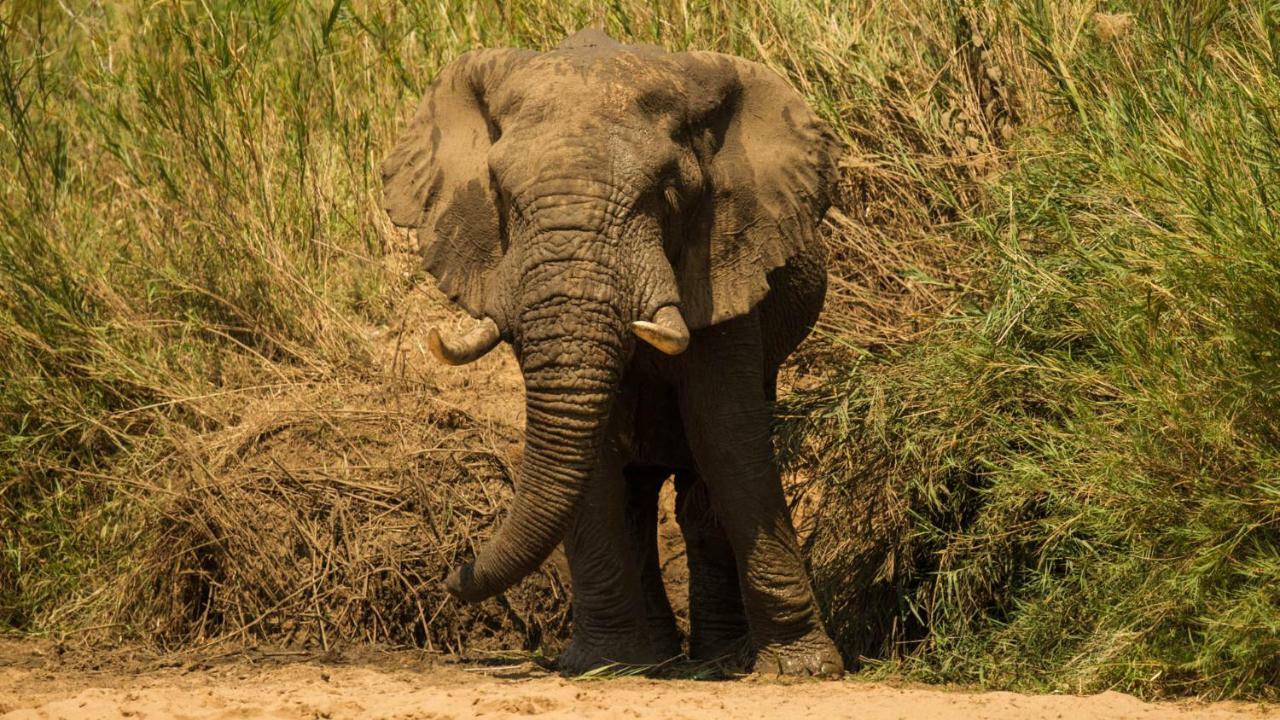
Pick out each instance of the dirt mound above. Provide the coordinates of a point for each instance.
(331, 511)
(326, 518)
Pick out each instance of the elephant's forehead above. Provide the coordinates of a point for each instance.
(587, 81)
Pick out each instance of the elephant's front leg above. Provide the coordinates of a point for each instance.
(609, 619)
(727, 417)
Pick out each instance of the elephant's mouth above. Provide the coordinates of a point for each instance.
(666, 331)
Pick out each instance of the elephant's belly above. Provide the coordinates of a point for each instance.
(647, 424)
(661, 443)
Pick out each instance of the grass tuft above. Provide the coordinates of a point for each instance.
(1074, 486)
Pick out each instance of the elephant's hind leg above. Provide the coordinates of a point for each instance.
(644, 483)
(609, 619)
(717, 622)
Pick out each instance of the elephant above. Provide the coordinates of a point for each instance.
(642, 228)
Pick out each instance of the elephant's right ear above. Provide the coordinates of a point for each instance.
(436, 179)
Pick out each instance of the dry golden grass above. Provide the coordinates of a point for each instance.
(1039, 414)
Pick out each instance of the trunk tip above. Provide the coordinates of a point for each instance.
(462, 584)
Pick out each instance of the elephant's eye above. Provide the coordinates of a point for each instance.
(498, 157)
(672, 197)
(495, 128)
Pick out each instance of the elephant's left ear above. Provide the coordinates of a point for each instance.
(436, 179)
(770, 169)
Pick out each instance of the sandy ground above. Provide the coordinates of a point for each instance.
(39, 682)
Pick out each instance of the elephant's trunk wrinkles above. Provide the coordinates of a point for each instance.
(571, 348)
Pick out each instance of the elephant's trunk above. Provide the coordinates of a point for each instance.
(571, 348)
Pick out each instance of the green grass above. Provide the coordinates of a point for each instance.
(1048, 440)
(188, 213)
(1076, 485)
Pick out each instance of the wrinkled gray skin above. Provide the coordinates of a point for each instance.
(563, 196)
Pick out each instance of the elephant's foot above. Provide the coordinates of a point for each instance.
(813, 655)
(586, 654)
(730, 644)
(730, 657)
(666, 639)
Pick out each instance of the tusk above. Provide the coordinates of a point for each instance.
(667, 332)
(469, 347)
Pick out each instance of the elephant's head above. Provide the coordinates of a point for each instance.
(578, 200)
